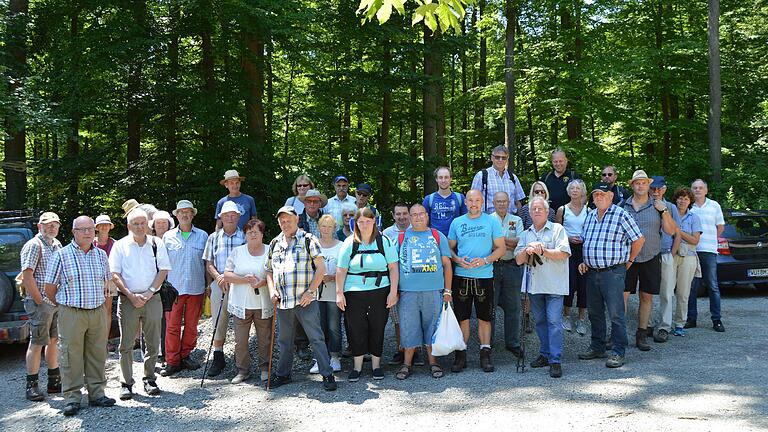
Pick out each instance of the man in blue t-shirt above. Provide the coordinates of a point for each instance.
(476, 241)
(425, 282)
(245, 203)
(444, 205)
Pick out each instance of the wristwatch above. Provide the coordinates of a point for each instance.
(153, 290)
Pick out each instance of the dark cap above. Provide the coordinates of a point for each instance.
(364, 187)
(658, 182)
(601, 186)
(286, 209)
(340, 177)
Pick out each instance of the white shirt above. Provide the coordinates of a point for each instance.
(711, 215)
(136, 264)
(330, 255)
(393, 232)
(333, 207)
(242, 296)
(550, 277)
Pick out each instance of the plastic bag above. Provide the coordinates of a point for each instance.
(447, 337)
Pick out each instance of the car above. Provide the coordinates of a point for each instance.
(16, 228)
(743, 250)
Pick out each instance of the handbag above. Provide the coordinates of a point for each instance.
(168, 293)
(448, 337)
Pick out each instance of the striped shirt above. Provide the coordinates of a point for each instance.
(498, 183)
(36, 255)
(607, 241)
(186, 256)
(711, 215)
(649, 221)
(219, 245)
(80, 276)
(291, 266)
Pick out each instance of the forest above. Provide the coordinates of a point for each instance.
(105, 100)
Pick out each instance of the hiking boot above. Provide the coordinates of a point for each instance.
(591, 354)
(71, 409)
(717, 325)
(459, 361)
(102, 402)
(277, 380)
(170, 369)
(329, 383)
(33, 391)
(218, 364)
(661, 336)
(485, 360)
(188, 363)
(555, 370)
(614, 361)
(397, 359)
(640, 340)
(54, 382)
(690, 324)
(540, 361)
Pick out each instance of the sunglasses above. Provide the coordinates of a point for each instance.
(303, 185)
(607, 174)
(362, 194)
(539, 192)
(498, 157)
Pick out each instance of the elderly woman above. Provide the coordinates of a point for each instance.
(545, 283)
(538, 189)
(572, 216)
(249, 301)
(330, 314)
(684, 252)
(366, 286)
(300, 187)
(161, 223)
(104, 242)
(347, 214)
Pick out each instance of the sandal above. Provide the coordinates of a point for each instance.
(404, 372)
(436, 370)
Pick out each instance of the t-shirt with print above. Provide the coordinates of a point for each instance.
(444, 210)
(475, 238)
(245, 204)
(365, 263)
(421, 264)
(331, 256)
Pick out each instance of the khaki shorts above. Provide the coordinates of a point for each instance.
(43, 321)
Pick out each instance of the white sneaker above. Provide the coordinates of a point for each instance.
(581, 327)
(567, 326)
(315, 368)
(336, 364)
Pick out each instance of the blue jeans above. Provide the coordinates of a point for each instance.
(507, 279)
(605, 291)
(309, 318)
(708, 262)
(330, 319)
(548, 315)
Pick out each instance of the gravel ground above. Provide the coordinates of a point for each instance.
(704, 381)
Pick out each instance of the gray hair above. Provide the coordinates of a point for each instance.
(700, 180)
(536, 199)
(558, 150)
(137, 213)
(578, 183)
(348, 207)
(500, 148)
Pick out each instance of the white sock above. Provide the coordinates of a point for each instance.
(219, 349)
(484, 346)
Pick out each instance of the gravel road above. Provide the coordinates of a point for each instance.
(704, 381)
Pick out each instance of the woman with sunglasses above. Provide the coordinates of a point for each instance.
(300, 187)
(538, 189)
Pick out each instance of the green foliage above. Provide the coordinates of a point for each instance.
(445, 15)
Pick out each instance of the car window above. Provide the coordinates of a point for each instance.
(746, 226)
(10, 251)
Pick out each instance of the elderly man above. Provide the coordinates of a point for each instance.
(612, 241)
(652, 216)
(557, 180)
(496, 178)
(712, 225)
(333, 208)
(245, 203)
(185, 245)
(507, 274)
(402, 220)
(76, 280)
(476, 241)
(295, 270)
(363, 193)
(218, 247)
(443, 205)
(548, 282)
(313, 201)
(139, 265)
(43, 313)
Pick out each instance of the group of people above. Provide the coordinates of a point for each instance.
(332, 261)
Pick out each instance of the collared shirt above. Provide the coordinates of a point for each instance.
(36, 255)
(333, 207)
(245, 204)
(551, 277)
(649, 221)
(291, 266)
(525, 214)
(186, 258)
(136, 264)
(666, 239)
(711, 215)
(310, 224)
(393, 232)
(498, 183)
(219, 245)
(80, 276)
(557, 186)
(691, 224)
(607, 241)
(511, 227)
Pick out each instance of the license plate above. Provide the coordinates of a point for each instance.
(757, 272)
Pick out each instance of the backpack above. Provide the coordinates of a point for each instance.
(485, 187)
(379, 275)
(401, 238)
(456, 196)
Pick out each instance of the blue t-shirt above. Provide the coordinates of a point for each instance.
(475, 240)
(365, 263)
(245, 204)
(444, 210)
(421, 264)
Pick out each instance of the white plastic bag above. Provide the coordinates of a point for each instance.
(447, 337)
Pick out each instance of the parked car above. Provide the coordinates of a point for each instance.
(16, 228)
(743, 250)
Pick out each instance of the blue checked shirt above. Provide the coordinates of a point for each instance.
(80, 275)
(498, 183)
(291, 266)
(36, 255)
(220, 245)
(607, 242)
(186, 256)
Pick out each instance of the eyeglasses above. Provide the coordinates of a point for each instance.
(607, 174)
(539, 192)
(84, 230)
(303, 185)
(500, 157)
(362, 194)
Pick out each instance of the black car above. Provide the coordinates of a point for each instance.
(16, 228)
(743, 249)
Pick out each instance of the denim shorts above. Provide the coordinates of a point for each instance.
(419, 311)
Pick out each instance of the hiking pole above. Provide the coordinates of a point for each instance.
(210, 348)
(271, 345)
(524, 319)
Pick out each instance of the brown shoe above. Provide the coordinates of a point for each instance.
(33, 392)
(641, 340)
(459, 361)
(485, 360)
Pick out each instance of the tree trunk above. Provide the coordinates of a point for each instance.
(270, 93)
(573, 123)
(135, 88)
(73, 140)
(414, 127)
(385, 197)
(14, 165)
(432, 72)
(482, 81)
(529, 116)
(207, 64)
(171, 174)
(288, 112)
(510, 11)
(253, 66)
(464, 115)
(344, 142)
(715, 93)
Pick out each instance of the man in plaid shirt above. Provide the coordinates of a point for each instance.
(295, 270)
(612, 240)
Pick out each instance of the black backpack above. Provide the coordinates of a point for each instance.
(379, 275)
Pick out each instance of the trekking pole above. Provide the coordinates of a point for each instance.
(524, 319)
(271, 346)
(210, 348)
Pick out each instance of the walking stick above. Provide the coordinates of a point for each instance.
(524, 319)
(210, 348)
(271, 345)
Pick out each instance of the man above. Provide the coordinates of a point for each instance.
(611, 242)
(651, 216)
(295, 270)
(476, 241)
(363, 193)
(712, 225)
(609, 176)
(245, 203)
(507, 274)
(425, 282)
(557, 180)
(185, 245)
(217, 249)
(139, 265)
(43, 313)
(444, 205)
(496, 178)
(402, 220)
(76, 280)
(313, 202)
(333, 208)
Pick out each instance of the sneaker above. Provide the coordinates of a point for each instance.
(661, 336)
(555, 370)
(540, 361)
(567, 325)
(591, 354)
(378, 374)
(718, 326)
(418, 358)
(679, 331)
(329, 383)
(690, 324)
(336, 364)
(397, 359)
(277, 381)
(188, 363)
(170, 369)
(581, 327)
(315, 369)
(71, 409)
(102, 402)
(151, 388)
(126, 392)
(240, 377)
(614, 361)
(354, 376)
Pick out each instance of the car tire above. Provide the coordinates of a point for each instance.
(763, 287)
(6, 293)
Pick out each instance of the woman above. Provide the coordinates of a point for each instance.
(572, 216)
(161, 223)
(543, 282)
(300, 187)
(366, 286)
(347, 214)
(104, 242)
(684, 253)
(249, 301)
(330, 314)
(538, 189)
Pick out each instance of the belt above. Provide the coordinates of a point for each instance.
(613, 267)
